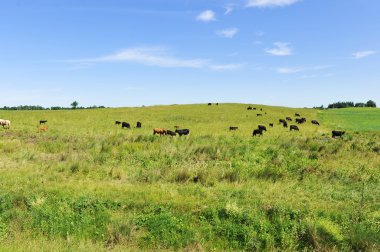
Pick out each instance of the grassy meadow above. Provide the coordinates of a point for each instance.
(87, 184)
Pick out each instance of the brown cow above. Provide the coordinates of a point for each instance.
(159, 131)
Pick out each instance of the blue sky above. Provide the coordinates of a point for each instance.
(130, 53)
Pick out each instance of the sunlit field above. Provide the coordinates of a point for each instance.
(87, 184)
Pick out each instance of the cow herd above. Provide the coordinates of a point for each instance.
(180, 132)
(6, 124)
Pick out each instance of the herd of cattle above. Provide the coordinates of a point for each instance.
(6, 124)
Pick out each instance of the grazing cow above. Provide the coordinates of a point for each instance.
(259, 114)
(170, 133)
(338, 133)
(117, 122)
(315, 122)
(159, 131)
(233, 128)
(288, 119)
(257, 132)
(261, 109)
(303, 119)
(5, 123)
(294, 127)
(262, 128)
(300, 120)
(281, 121)
(209, 104)
(43, 121)
(138, 125)
(296, 114)
(254, 108)
(271, 125)
(125, 125)
(249, 108)
(285, 124)
(217, 104)
(181, 132)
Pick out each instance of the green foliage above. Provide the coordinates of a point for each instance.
(165, 229)
(85, 218)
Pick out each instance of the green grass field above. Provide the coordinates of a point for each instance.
(86, 184)
(353, 119)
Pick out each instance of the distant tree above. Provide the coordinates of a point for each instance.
(371, 104)
(74, 105)
(360, 105)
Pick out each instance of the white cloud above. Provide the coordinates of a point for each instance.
(156, 56)
(270, 3)
(227, 33)
(298, 69)
(206, 16)
(229, 8)
(289, 70)
(280, 49)
(363, 54)
(150, 56)
(228, 67)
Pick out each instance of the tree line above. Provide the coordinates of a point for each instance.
(350, 104)
(73, 105)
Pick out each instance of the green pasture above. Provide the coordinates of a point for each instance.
(86, 184)
(353, 119)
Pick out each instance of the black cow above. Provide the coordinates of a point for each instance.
(296, 114)
(271, 125)
(294, 127)
(338, 133)
(181, 132)
(117, 122)
(209, 104)
(257, 132)
(43, 122)
(125, 125)
(170, 133)
(259, 114)
(315, 122)
(254, 108)
(217, 104)
(233, 128)
(261, 109)
(249, 108)
(288, 119)
(300, 120)
(285, 124)
(281, 121)
(262, 128)
(138, 125)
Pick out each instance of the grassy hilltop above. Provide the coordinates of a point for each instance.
(86, 184)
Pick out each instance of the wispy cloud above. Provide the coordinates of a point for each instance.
(280, 49)
(298, 69)
(289, 70)
(270, 3)
(206, 16)
(228, 33)
(152, 56)
(228, 9)
(363, 54)
(156, 56)
(228, 67)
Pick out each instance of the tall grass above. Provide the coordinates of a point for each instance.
(88, 184)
